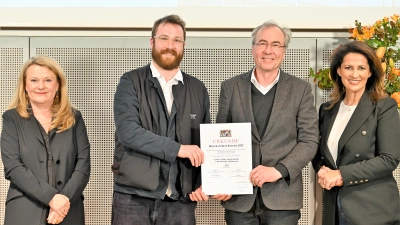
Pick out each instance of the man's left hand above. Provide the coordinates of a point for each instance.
(198, 195)
(262, 174)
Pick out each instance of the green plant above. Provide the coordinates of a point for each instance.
(322, 78)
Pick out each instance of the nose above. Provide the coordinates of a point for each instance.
(354, 74)
(170, 44)
(41, 84)
(268, 48)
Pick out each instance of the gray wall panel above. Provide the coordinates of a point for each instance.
(14, 51)
(93, 66)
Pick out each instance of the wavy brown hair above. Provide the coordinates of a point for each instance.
(375, 83)
(172, 19)
(63, 115)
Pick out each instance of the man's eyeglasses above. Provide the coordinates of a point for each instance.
(264, 45)
(166, 39)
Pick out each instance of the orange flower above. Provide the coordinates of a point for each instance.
(378, 23)
(396, 71)
(385, 19)
(394, 17)
(396, 96)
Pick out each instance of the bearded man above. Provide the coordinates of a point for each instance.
(158, 110)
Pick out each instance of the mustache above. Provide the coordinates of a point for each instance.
(169, 51)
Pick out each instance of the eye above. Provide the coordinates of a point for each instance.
(164, 38)
(263, 44)
(33, 80)
(348, 68)
(276, 45)
(177, 40)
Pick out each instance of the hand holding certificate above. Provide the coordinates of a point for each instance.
(227, 158)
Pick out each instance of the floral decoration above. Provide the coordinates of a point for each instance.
(383, 37)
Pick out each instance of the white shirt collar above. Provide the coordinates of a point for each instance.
(261, 88)
(178, 76)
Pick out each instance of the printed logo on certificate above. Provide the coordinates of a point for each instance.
(227, 158)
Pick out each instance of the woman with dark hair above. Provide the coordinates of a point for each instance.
(44, 149)
(360, 142)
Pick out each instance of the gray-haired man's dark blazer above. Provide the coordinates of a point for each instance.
(291, 137)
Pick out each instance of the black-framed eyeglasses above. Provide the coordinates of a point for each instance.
(274, 46)
(165, 39)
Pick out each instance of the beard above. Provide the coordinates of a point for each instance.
(166, 64)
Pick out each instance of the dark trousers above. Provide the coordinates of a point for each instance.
(130, 209)
(340, 213)
(259, 214)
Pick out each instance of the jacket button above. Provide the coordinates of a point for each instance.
(355, 182)
(59, 182)
(357, 155)
(361, 181)
(364, 133)
(58, 161)
(262, 143)
(366, 180)
(351, 182)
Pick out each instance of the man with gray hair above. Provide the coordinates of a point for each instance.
(284, 131)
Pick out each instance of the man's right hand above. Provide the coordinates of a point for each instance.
(193, 153)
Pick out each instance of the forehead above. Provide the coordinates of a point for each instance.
(169, 29)
(270, 34)
(354, 57)
(36, 70)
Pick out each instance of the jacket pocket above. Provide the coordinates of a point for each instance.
(137, 170)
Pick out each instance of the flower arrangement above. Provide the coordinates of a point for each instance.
(381, 36)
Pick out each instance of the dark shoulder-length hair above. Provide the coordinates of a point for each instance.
(375, 83)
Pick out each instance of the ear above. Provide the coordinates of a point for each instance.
(337, 71)
(151, 42)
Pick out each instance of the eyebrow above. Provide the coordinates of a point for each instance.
(262, 40)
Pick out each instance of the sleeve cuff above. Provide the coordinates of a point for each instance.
(282, 169)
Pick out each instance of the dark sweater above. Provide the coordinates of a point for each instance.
(262, 107)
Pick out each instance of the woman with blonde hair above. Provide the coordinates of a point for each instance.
(45, 149)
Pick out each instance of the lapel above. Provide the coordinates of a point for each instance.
(33, 127)
(327, 123)
(282, 90)
(151, 91)
(360, 115)
(244, 86)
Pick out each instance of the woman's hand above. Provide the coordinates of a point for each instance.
(54, 218)
(60, 205)
(328, 178)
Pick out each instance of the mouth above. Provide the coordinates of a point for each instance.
(354, 82)
(267, 58)
(169, 53)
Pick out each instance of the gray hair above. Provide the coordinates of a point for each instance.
(287, 33)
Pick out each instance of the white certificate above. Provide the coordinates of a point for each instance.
(227, 158)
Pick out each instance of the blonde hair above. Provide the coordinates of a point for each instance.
(62, 111)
